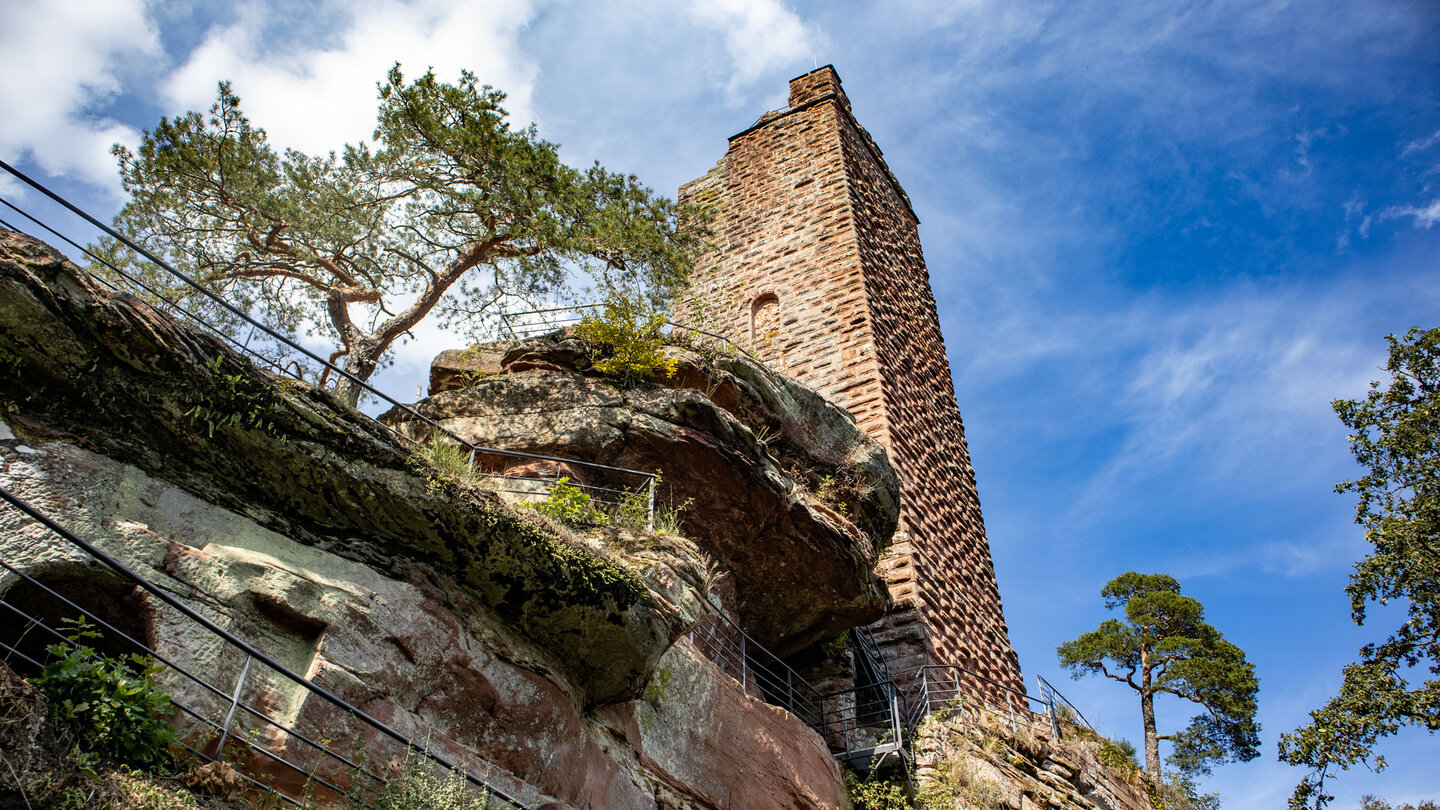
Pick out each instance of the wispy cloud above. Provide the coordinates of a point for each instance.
(59, 64)
(1424, 216)
(1421, 144)
(319, 98)
(760, 36)
(1291, 558)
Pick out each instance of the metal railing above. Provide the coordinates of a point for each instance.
(316, 746)
(622, 488)
(857, 724)
(531, 323)
(952, 689)
(1057, 706)
(761, 673)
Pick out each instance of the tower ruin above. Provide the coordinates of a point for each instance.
(820, 274)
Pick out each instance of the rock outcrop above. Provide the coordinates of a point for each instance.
(977, 758)
(112, 374)
(557, 663)
(781, 487)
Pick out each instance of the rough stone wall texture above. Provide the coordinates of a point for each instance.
(820, 273)
(406, 649)
(556, 664)
(976, 758)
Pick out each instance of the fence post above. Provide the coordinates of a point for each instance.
(651, 524)
(789, 690)
(895, 719)
(744, 666)
(234, 702)
(1011, 709)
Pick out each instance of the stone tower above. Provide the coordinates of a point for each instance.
(820, 274)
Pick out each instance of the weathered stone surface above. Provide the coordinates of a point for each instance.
(457, 368)
(976, 758)
(709, 744)
(301, 528)
(821, 275)
(782, 488)
(110, 373)
(414, 652)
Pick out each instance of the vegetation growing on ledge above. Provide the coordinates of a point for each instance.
(625, 339)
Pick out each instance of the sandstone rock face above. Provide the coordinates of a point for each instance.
(782, 489)
(109, 372)
(411, 652)
(978, 759)
(557, 665)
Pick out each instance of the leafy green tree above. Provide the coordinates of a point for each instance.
(451, 210)
(1165, 646)
(1395, 435)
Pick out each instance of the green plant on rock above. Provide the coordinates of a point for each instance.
(1118, 754)
(444, 458)
(114, 705)
(238, 400)
(1179, 792)
(570, 504)
(414, 784)
(625, 339)
(959, 783)
(876, 794)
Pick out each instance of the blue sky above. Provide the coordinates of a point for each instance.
(1163, 236)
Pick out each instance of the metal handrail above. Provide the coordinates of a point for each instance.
(1053, 698)
(253, 653)
(757, 669)
(218, 300)
(531, 330)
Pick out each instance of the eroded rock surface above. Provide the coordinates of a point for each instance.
(981, 758)
(110, 373)
(782, 488)
(412, 652)
(549, 663)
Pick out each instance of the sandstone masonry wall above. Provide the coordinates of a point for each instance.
(820, 273)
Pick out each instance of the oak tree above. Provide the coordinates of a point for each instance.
(449, 209)
(1165, 646)
(1395, 436)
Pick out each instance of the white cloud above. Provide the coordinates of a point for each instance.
(320, 98)
(59, 63)
(1421, 144)
(1425, 217)
(761, 36)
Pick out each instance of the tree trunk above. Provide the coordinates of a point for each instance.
(1152, 740)
(360, 362)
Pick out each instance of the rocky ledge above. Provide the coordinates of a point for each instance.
(780, 486)
(111, 374)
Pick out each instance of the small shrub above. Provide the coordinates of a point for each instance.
(114, 705)
(449, 460)
(960, 784)
(1179, 792)
(414, 785)
(876, 794)
(625, 339)
(570, 504)
(1118, 754)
